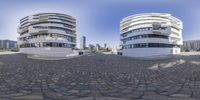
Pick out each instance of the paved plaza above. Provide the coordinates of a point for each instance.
(100, 77)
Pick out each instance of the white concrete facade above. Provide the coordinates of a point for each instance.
(47, 34)
(150, 34)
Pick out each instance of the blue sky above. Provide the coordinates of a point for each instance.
(98, 20)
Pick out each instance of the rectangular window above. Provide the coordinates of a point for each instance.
(60, 44)
(44, 44)
(50, 44)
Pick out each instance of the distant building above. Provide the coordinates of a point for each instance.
(8, 44)
(1, 44)
(105, 45)
(98, 47)
(192, 45)
(83, 42)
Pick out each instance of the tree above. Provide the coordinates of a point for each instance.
(92, 48)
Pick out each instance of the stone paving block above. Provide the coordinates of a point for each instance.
(98, 77)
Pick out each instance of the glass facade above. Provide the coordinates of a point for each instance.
(144, 36)
(142, 29)
(47, 44)
(149, 45)
(53, 35)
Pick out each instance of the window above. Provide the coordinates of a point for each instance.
(144, 45)
(145, 36)
(50, 44)
(54, 35)
(149, 45)
(56, 44)
(40, 44)
(46, 44)
(36, 44)
(130, 45)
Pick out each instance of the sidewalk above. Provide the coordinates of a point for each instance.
(39, 57)
(8, 52)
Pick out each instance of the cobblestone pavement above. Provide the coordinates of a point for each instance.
(100, 77)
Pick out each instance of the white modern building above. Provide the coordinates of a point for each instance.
(150, 34)
(47, 34)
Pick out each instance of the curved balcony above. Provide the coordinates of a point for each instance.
(25, 29)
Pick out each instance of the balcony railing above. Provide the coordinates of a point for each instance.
(22, 30)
